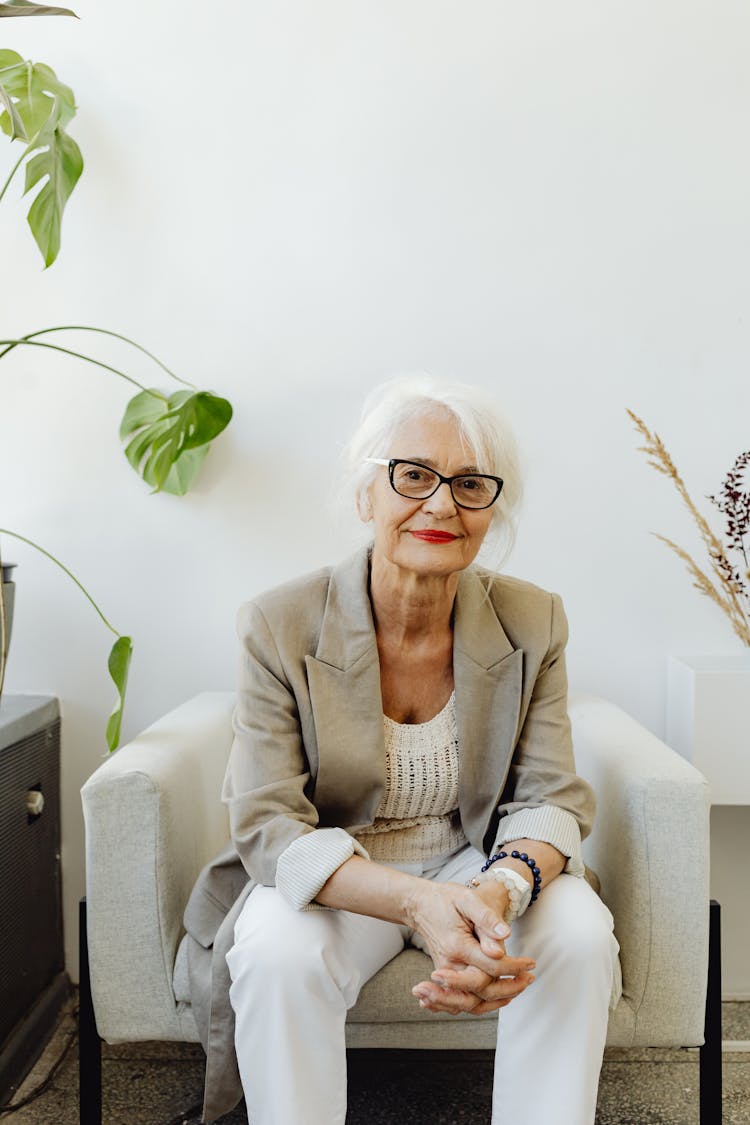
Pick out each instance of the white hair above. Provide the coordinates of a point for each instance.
(483, 429)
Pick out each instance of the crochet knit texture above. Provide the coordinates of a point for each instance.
(418, 816)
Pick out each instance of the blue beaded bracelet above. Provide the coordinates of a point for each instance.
(530, 863)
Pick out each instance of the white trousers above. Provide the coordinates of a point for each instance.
(295, 974)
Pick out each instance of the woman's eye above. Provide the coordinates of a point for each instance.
(415, 475)
(474, 484)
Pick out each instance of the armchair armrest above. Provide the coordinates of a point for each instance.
(153, 817)
(650, 848)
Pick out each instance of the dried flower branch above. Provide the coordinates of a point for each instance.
(735, 504)
(731, 588)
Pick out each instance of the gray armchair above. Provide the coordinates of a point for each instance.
(154, 818)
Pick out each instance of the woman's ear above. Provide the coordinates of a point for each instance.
(364, 507)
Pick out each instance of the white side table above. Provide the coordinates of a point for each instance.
(708, 713)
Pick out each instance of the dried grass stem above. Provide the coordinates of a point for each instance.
(728, 592)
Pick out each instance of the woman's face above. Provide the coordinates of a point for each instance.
(400, 524)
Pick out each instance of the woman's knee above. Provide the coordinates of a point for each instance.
(573, 924)
(269, 955)
(591, 938)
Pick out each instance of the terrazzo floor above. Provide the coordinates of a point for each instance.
(160, 1084)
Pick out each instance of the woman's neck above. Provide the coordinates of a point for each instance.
(407, 606)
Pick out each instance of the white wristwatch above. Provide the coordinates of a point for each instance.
(519, 889)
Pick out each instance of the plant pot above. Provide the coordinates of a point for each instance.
(708, 702)
(9, 590)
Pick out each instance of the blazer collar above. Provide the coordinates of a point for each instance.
(478, 634)
(344, 684)
(348, 629)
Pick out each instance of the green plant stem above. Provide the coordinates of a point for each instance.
(106, 332)
(30, 543)
(29, 143)
(78, 355)
(13, 171)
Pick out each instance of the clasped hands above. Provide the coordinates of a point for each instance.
(465, 935)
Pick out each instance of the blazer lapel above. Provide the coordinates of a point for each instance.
(344, 682)
(488, 674)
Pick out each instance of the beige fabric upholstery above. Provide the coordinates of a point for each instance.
(650, 849)
(154, 817)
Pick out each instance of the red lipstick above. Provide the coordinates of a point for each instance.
(431, 536)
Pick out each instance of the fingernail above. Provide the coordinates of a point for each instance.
(502, 930)
(422, 1004)
(439, 980)
(419, 994)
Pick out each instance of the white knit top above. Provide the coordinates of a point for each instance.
(418, 816)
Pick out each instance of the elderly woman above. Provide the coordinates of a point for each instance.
(402, 772)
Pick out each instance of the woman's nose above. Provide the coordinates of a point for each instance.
(441, 502)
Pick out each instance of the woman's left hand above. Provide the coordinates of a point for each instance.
(468, 989)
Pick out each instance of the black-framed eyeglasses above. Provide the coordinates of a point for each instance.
(418, 482)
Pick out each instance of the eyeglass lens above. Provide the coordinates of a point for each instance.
(418, 482)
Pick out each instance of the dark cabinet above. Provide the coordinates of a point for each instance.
(33, 982)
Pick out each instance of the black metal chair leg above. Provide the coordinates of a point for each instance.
(710, 1052)
(90, 1045)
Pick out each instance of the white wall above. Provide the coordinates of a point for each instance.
(289, 202)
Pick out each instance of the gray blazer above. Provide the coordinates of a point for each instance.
(308, 748)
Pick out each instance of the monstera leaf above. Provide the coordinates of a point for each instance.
(167, 436)
(60, 161)
(35, 86)
(170, 436)
(37, 109)
(11, 121)
(26, 8)
(119, 666)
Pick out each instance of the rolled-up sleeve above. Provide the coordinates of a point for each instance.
(550, 825)
(310, 860)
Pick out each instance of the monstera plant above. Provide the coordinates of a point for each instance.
(36, 110)
(166, 437)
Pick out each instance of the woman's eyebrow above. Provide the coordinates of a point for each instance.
(430, 464)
